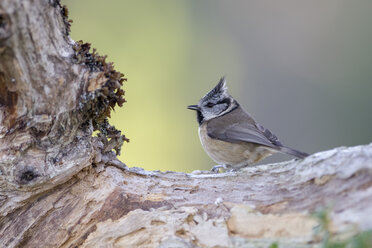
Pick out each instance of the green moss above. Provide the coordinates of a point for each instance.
(360, 240)
(97, 105)
(274, 245)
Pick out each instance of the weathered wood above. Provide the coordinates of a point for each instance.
(52, 95)
(110, 206)
(60, 187)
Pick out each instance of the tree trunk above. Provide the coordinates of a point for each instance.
(60, 187)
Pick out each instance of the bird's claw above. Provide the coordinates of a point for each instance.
(216, 168)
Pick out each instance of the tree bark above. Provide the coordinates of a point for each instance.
(61, 187)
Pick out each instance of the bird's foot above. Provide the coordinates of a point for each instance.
(216, 168)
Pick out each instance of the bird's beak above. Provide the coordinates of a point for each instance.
(193, 107)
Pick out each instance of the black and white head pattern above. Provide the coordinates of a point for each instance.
(216, 102)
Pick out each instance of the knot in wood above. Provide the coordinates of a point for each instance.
(5, 26)
(27, 176)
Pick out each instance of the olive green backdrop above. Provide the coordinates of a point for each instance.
(302, 68)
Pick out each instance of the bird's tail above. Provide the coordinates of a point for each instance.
(293, 152)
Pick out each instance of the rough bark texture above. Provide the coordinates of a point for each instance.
(60, 187)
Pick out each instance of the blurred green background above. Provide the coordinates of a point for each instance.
(303, 69)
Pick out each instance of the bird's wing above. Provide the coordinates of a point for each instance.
(238, 126)
(268, 134)
(238, 133)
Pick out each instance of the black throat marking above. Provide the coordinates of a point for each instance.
(200, 117)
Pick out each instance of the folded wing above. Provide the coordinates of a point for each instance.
(239, 126)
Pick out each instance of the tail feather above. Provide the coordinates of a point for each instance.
(293, 152)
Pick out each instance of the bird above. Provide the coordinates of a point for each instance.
(231, 136)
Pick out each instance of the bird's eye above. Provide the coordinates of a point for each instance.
(210, 105)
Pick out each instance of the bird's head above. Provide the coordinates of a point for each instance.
(215, 103)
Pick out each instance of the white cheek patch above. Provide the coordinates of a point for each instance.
(216, 111)
(208, 115)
